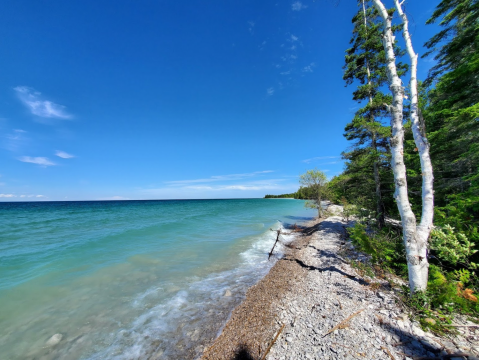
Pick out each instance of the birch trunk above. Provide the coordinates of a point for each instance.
(424, 229)
(377, 180)
(415, 254)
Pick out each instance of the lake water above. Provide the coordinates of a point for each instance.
(129, 279)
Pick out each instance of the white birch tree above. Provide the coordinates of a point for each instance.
(415, 236)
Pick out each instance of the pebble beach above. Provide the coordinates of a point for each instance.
(314, 305)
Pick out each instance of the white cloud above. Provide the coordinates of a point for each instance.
(37, 160)
(251, 25)
(230, 177)
(15, 140)
(298, 6)
(115, 198)
(21, 196)
(307, 161)
(285, 72)
(270, 91)
(64, 155)
(309, 68)
(38, 106)
(294, 38)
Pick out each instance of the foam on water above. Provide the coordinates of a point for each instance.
(128, 280)
(173, 329)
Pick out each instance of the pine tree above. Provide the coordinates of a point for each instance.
(366, 64)
(451, 117)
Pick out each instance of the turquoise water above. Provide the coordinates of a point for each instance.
(129, 279)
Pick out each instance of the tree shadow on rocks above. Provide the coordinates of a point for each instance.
(329, 268)
(419, 347)
(243, 353)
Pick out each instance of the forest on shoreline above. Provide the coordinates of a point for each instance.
(442, 111)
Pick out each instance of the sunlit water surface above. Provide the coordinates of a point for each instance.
(129, 279)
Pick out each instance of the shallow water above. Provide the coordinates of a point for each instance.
(129, 279)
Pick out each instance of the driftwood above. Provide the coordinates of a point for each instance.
(278, 233)
(388, 352)
(277, 239)
(272, 342)
(343, 323)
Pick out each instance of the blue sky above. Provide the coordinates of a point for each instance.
(161, 99)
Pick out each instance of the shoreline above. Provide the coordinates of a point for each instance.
(313, 305)
(252, 323)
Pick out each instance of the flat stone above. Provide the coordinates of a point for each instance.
(417, 331)
(54, 340)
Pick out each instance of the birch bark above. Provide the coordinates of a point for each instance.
(377, 180)
(415, 249)
(425, 226)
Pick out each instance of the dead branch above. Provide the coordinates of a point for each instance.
(272, 342)
(388, 352)
(343, 323)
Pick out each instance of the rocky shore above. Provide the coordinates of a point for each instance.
(314, 305)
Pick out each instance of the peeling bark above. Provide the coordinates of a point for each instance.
(413, 236)
(424, 228)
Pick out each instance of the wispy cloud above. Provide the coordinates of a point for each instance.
(307, 161)
(240, 187)
(38, 106)
(298, 6)
(270, 91)
(230, 177)
(15, 140)
(43, 161)
(64, 155)
(251, 25)
(309, 68)
(22, 196)
(114, 198)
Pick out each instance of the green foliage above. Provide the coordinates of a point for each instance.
(453, 247)
(456, 47)
(445, 295)
(282, 196)
(367, 175)
(385, 246)
(349, 210)
(316, 182)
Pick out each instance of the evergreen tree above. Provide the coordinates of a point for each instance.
(451, 117)
(366, 64)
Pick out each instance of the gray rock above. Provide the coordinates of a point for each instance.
(54, 340)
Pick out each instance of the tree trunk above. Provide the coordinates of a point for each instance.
(415, 251)
(320, 208)
(377, 180)
(424, 229)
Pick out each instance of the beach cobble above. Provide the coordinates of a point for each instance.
(314, 305)
(335, 314)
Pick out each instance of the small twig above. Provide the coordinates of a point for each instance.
(388, 352)
(343, 323)
(272, 342)
(339, 302)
